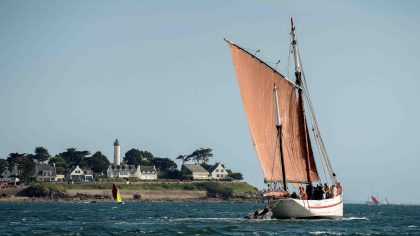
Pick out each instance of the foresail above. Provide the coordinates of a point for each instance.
(256, 81)
(119, 198)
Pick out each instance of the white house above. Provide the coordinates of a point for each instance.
(77, 174)
(118, 170)
(123, 171)
(60, 178)
(44, 173)
(148, 172)
(196, 171)
(9, 177)
(131, 171)
(217, 171)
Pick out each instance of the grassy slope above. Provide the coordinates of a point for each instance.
(230, 188)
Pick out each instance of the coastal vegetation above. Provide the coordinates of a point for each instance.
(43, 190)
(214, 189)
(170, 177)
(166, 168)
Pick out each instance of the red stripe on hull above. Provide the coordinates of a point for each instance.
(318, 207)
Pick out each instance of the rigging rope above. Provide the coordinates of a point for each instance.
(318, 137)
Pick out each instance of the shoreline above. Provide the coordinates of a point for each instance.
(15, 199)
(146, 192)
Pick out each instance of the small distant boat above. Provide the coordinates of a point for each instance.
(116, 194)
(374, 200)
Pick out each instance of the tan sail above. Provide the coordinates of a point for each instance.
(256, 81)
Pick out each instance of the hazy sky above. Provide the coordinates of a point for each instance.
(158, 76)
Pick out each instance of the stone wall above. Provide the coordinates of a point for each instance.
(145, 194)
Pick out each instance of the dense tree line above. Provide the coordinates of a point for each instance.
(98, 162)
(199, 156)
(25, 162)
(202, 156)
(165, 167)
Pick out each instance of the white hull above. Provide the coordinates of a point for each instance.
(289, 208)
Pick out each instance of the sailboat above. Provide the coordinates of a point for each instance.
(116, 194)
(276, 112)
(374, 200)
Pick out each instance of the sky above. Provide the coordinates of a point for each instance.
(158, 76)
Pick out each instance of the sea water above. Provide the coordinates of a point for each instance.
(198, 218)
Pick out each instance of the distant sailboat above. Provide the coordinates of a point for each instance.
(374, 200)
(275, 109)
(116, 194)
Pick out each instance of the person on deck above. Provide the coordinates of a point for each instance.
(339, 189)
(333, 191)
(318, 192)
(310, 191)
(327, 191)
(302, 193)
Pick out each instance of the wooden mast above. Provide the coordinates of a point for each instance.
(298, 74)
(279, 133)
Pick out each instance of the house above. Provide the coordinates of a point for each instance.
(218, 171)
(131, 171)
(77, 174)
(123, 171)
(9, 177)
(44, 173)
(148, 172)
(88, 175)
(7, 173)
(195, 170)
(60, 178)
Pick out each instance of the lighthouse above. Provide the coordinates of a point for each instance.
(117, 159)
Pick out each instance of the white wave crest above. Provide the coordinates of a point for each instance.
(355, 218)
(325, 233)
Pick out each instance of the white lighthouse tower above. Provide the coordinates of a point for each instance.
(117, 159)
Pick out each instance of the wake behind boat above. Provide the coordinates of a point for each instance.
(275, 109)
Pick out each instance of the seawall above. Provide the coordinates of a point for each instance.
(143, 194)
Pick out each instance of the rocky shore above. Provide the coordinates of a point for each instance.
(97, 193)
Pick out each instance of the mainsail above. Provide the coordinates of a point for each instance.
(256, 81)
(116, 194)
(374, 200)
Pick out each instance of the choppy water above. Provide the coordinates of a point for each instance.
(195, 219)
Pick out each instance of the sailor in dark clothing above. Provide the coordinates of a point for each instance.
(310, 191)
(319, 192)
(316, 192)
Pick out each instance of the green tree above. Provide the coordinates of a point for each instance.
(41, 155)
(201, 155)
(24, 163)
(206, 166)
(234, 175)
(98, 162)
(172, 174)
(74, 157)
(137, 157)
(163, 165)
(3, 165)
(183, 158)
(15, 159)
(60, 164)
